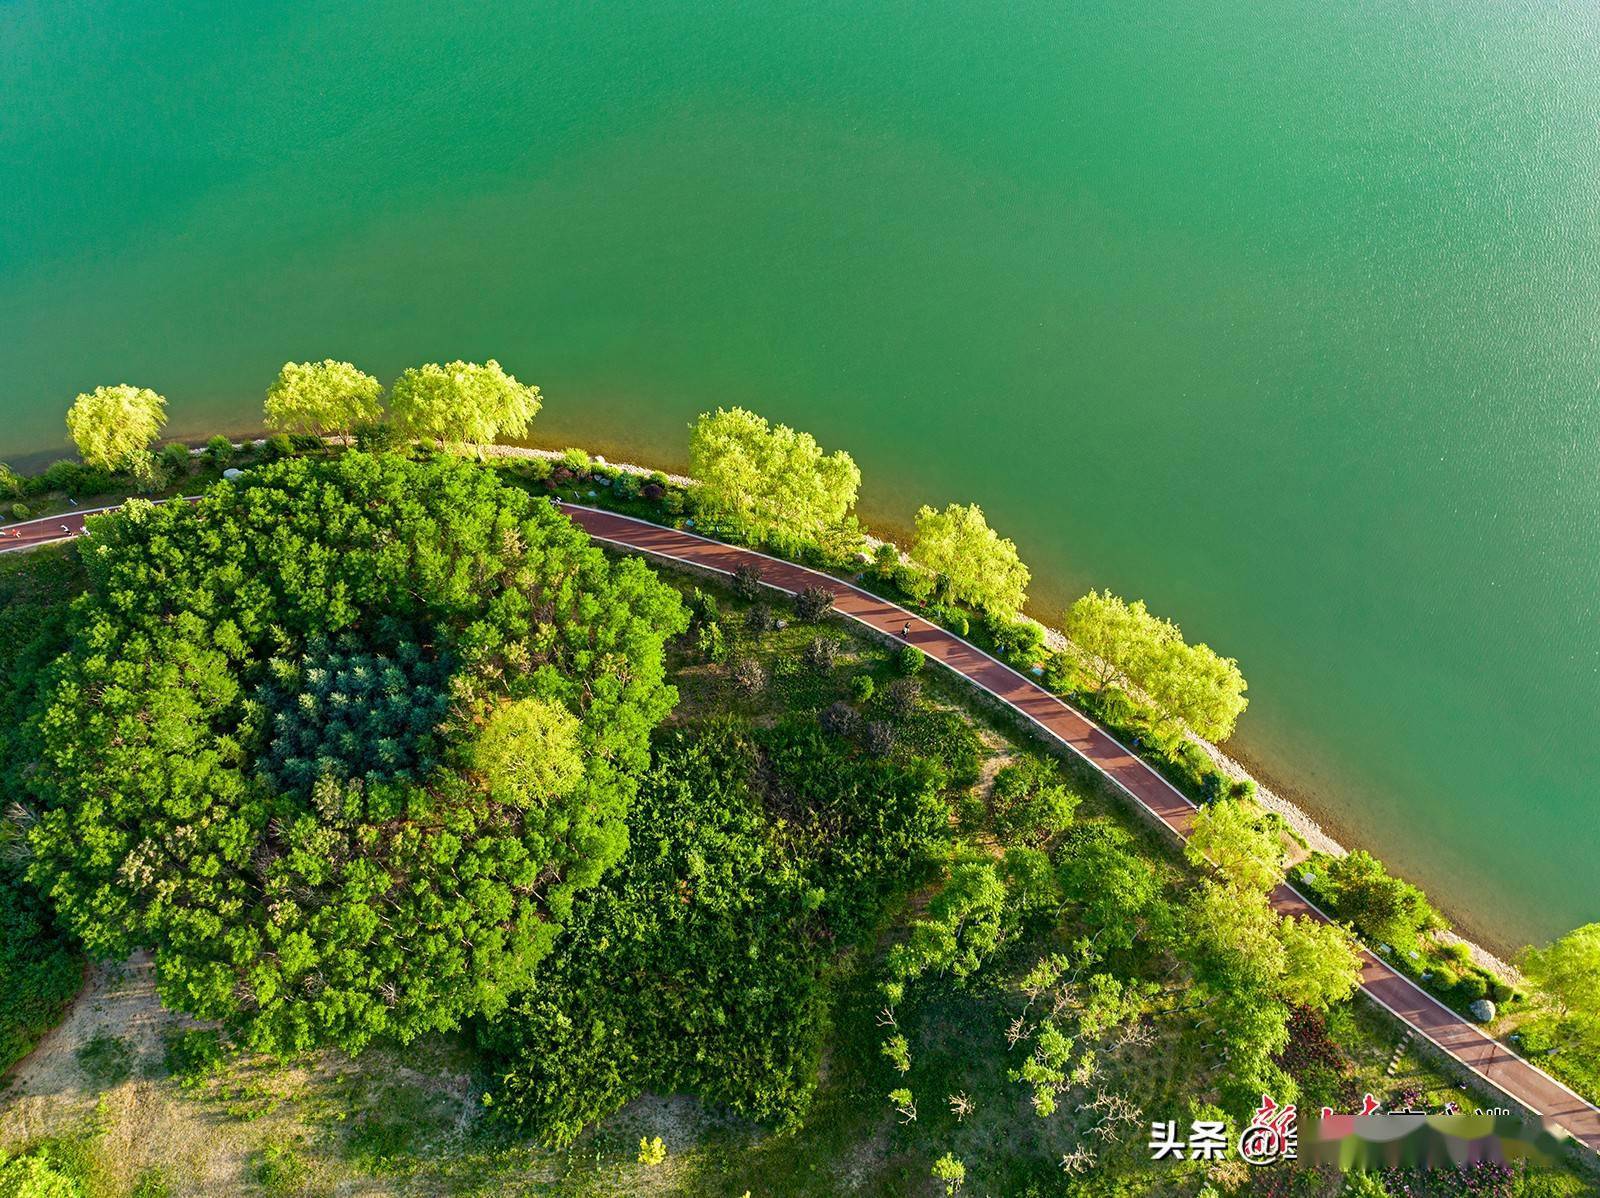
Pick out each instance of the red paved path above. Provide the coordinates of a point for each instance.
(1464, 1041)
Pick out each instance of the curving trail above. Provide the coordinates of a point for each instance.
(1490, 1060)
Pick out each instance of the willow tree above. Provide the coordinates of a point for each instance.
(463, 403)
(1124, 644)
(1568, 970)
(114, 427)
(342, 742)
(1235, 838)
(770, 479)
(323, 397)
(974, 564)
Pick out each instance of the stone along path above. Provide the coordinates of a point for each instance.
(1478, 1052)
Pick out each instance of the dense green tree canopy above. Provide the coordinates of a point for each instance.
(247, 763)
(1234, 836)
(974, 563)
(322, 397)
(769, 478)
(1568, 970)
(696, 965)
(113, 427)
(463, 403)
(1387, 909)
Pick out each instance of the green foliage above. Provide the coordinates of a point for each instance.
(768, 479)
(37, 1175)
(1568, 970)
(1385, 908)
(528, 753)
(40, 966)
(463, 403)
(972, 562)
(1125, 645)
(279, 1170)
(20, 511)
(910, 660)
(1032, 806)
(961, 929)
(652, 1152)
(192, 1055)
(343, 711)
(951, 1172)
(220, 451)
(324, 397)
(113, 427)
(696, 966)
(10, 484)
(862, 688)
(105, 1059)
(577, 461)
(391, 907)
(175, 460)
(1116, 888)
(1235, 838)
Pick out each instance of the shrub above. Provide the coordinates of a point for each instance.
(840, 720)
(749, 675)
(712, 644)
(862, 687)
(1031, 806)
(1017, 639)
(703, 607)
(653, 491)
(878, 738)
(20, 511)
(822, 652)
(1470, 988)
(747, 581)
(219, 451)
(577, 461)
(1444, 980)
(901, 696)
(910, 659)
(886, 559)
(378, 437)
(625, 485)
(914, 581)
(192, 1056)
(278, 446)
(952, 618)
(76, 479)
(1456, 951)
(674, 502)
(174, 459)
(279, 1169)
(813, 603)
(105, 1059)
(10, 484)
(760, 619)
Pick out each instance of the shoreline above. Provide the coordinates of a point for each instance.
(1294, 814)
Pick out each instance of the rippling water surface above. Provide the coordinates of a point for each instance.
(1281, 315)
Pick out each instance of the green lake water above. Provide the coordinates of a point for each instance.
(1283, 316)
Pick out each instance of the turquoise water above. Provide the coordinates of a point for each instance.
(1282, 316)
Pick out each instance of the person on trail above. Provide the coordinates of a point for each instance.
(906, 631)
